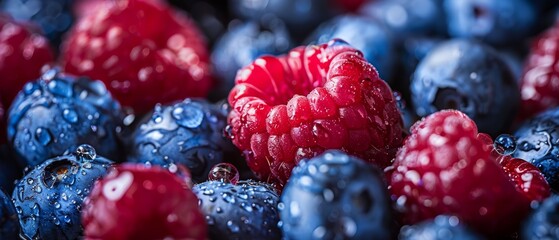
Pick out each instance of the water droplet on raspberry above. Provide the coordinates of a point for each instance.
(228, 132)
(505, 144)
(224, 172)
(188, 116)
(86, 152)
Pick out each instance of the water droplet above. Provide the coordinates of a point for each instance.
(50, 74)
(56, 205)
(319, 232)
(228, 132)
(218, 210)
(210, 220)
(227, 197)
(37, 189)
(30, 181)
(234, 228)
(86, 152)
(43, 136)
(60, 88)
(328, 195)
(188, 116)
(224, 172)
(30, 88)
(349, 227)
(70, 115)
(505, 144)
(208, 192)
(246, 207)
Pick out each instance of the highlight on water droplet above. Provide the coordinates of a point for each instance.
(224, 172)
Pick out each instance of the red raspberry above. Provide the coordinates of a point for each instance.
(144, 51)
(23, 53)
(140, 202)
(540, 81)
(446, 167)
(315, 98)
(527, 178)
(2, 125)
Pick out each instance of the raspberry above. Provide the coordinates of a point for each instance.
(315, 98)
(141, 62)
(447, 167)
(527, 178)
(23, 54)
(134, 201)
(538, 87)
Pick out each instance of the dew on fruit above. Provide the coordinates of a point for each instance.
(86, 152)
(319, 232)
(188, 116)
(37, 189)
(505, 144)
(227, 197)
(328, 195)
(70, 115)
(218, 210)
(246, 207)
(224, 172)
(349, 227)
(43, 136)
(60, 88)
(233, 227)
(30, 181)
(210, 220)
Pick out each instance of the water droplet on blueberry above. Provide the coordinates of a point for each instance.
(224, 172)
(505, 144)
(86, 152)
(43, 136)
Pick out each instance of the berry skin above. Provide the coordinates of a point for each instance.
(320, 97)
(335, 196)
(441, 228)
(247, 210)
(9, 225)
(536, 141)
(366, 35)
(58, 112)
(48, 199)
(406, 18)
(538, 88)
(526, 177)
(468, 76)
(446, 167)
(141, 62)
(10, 170)
(134, 201)
(300, 17)
(53, 17)
(543, 222)
(189, 133)
(243, 43)
(495, 22)
(27, 52)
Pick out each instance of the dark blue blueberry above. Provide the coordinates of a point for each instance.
(54, 17)
(211, 16)
(243, 43)
(543, 223)
(366, 35)
(59, 112)
(300, 16)
(335, 196)
(468, 76)
(496, 22)
(188, 133)
(407, 18)
(537, 141)
(247, 210)
(441, 228)
(48, 199)
(9, 224)
(515, 61)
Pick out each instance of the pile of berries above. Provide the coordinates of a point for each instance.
(279, 119)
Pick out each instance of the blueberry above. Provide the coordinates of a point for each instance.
(366, 35)
(468, 76)
(544, 221)
(211, 16)
(496, 22)
(58, 112)
(53, 17)
(247, 210)
(48, 199)
(243, 43)
(441, 228)
(9, 225)
(188, 133)
(10, 171)
(300, 16)
(537, 141)
(407, 18)
(335, 196)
